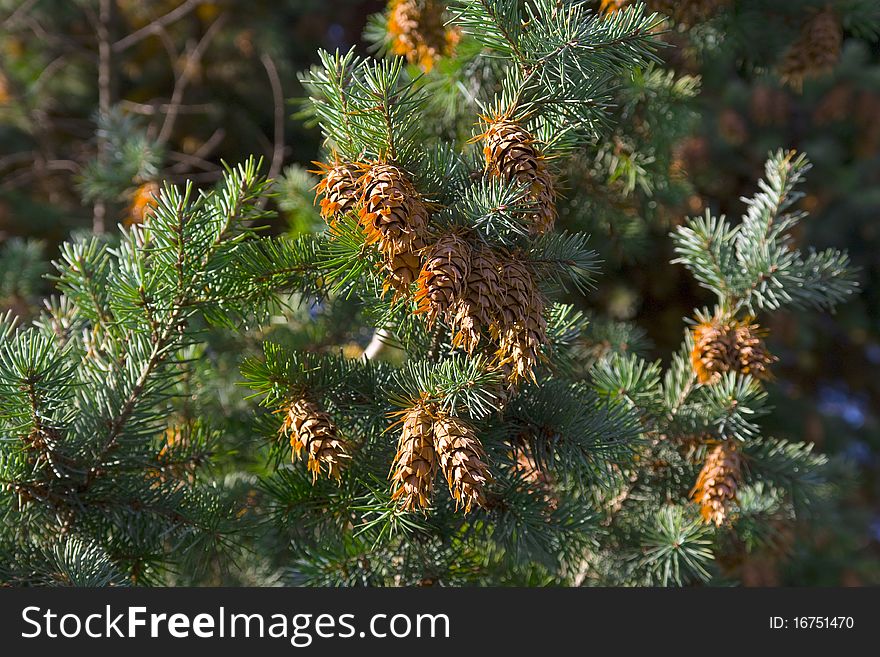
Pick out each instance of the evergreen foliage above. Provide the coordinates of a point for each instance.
(398, 369)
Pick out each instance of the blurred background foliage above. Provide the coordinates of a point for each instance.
(100, 99)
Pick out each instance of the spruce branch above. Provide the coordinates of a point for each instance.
(677, 548)
(565, 259)
(754, 265)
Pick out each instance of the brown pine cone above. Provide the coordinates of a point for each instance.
(311, 429)
(462, 460)
(511, 154)
(418, 31)
(393, 215)
(473, 312)
(723, 346)
(519, 326)
(443, 276)
(816, 51)
(415, 465)
(340, 188)
(718, 482)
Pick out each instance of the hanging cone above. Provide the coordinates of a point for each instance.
(394, 217)
(462, 460)
(718, 482)
(443, 276)
(721, 347)
(519, 326)
(418, 31)
(752, 356)
(339, 187)
(312, 430)
(403, 269)
(143, 203)
(511, 154)
(816, 51)
(473, 311)
(712, 353)
(415, 465)
(393, 214)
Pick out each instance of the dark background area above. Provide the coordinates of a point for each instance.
(215, 66)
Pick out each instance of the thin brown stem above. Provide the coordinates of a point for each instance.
(157, 25)
(190, 61)
(278, 100)
(106, 84)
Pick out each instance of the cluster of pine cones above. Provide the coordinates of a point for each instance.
(418, 31)
(475, 288)
(478, 290)
(724, 345)
(430, 439)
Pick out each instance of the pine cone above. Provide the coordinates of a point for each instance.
(415, 465)
(393, 214)
(395, 218)
(751, 353)
(403, 269)
(310, 428)
(143, 203)
(462, 460)
(443, 276)
(418, 31)
(717, 483)
(729, 346)
(340, 188)
(519, 326)
(474, 310)
(816, 51)
(511, 154)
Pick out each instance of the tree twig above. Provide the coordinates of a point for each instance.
(151, 109)
(157, 25)
(22, 9)
(278, 99)
(190, 61)
(106, 84)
